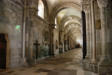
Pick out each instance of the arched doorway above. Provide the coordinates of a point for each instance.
(84, 34)
(67, 23)
(4, 51)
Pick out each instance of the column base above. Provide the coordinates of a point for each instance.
(105, 67)
(90, 66)
(24, 62)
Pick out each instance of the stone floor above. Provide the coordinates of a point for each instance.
(68, 63)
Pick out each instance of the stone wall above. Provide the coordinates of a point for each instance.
(11, 12)
(37, 39)
(41, 33)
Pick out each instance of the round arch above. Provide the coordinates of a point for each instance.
(69, 24)
(67, 18)
(46, 9)
(72, 29)
(58, 7)
(70, 16)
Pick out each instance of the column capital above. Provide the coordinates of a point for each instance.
(86, 8)
(33, 11)
(86, 5)
(103, 3)
(52, 26)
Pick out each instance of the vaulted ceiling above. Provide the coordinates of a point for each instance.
(69, 20)
(53, 2)
(68, 15)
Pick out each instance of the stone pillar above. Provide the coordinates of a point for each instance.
(65, 42)
(93, 32)
(94, 63)
(87, 8)
(66, 37)
(25, 11)
(51, 28)
(105, 65)
(62, 34)
(90, 61)
(90, 33)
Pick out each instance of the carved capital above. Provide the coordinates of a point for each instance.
(86, 8)
(103, 3)
(33, 11)
(86, 5)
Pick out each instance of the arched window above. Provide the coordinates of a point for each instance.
(41, 9)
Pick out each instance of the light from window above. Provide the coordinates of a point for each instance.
(79, 41)
(41, 9)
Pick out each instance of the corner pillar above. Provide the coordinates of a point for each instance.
(105, 65)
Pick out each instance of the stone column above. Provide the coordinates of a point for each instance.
(51, 28)
(93, 33)
(87, 9)
(90, 62)
(25, 14)
(105, 65)
(65, 42)
(62, 34)
(94, 63)
(90, 33)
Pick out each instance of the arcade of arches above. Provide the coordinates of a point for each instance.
(35, 34)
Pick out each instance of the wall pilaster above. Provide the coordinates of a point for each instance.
(105, 65)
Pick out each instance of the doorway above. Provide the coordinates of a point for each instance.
(3, 51)
(84, 34)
